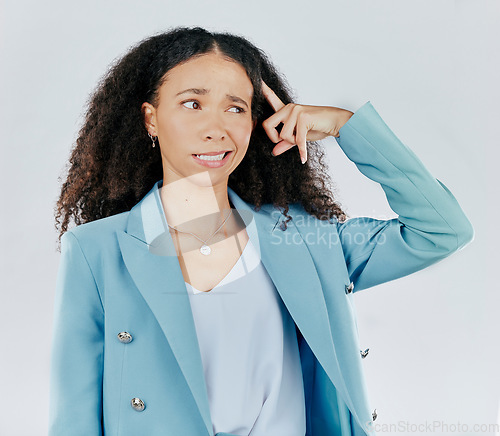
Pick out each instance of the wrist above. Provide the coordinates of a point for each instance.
(343, 119)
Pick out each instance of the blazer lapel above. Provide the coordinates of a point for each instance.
(149, 255)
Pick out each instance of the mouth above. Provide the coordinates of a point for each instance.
(213, 159)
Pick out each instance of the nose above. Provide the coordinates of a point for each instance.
(215, 136)
(214, 127)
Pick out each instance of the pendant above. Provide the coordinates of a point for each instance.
(205, 249)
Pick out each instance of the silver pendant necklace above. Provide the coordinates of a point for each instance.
(205, 249)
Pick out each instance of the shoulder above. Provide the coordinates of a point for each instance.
(297, 211)
(100, 234)
(304, 220)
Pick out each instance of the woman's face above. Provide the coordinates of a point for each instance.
(204, 107)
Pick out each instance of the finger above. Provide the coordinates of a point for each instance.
(273, 121)
(271, 97)
(288, 131)
(301, 138)
(281, 147)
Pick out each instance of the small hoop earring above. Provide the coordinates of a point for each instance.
(153, 138)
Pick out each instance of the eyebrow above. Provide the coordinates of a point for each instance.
(203, 91)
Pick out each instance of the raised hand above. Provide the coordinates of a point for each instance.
(301, 123)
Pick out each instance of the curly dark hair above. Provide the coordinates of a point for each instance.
(112, 165)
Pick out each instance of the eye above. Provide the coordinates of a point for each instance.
(240, 109)
(191, 101)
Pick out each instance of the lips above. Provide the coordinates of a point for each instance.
(213, 163)
(213, 153)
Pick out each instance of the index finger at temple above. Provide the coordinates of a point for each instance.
(271, 97)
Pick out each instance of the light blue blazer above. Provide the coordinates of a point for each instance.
(119, 274)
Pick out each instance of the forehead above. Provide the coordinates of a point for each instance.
(212, 72)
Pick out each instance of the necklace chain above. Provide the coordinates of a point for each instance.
(205, 249)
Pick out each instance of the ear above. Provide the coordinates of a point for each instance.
(254, 124)
(149, 113)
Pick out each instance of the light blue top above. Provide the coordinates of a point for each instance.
(249, 352)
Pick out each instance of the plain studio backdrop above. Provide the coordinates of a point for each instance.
(431, 70)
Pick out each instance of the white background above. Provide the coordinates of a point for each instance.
(431, 70)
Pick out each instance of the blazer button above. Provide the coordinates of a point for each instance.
(125, 337)
(349, 288)
(137, 404)
(364, 353)
(374, 414)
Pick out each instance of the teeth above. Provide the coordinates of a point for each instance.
(205, 157)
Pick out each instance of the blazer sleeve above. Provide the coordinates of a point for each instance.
(75, 406)
(430, 225)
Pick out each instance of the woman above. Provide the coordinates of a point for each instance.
(207, 288)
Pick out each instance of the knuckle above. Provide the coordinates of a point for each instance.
(287, 137)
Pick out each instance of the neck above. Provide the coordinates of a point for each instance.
(190, 207)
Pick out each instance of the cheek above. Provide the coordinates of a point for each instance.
(241, 135)
(176, 128)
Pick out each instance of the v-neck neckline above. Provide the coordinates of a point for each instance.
(243, 253)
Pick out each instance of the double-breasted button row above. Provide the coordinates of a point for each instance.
(125, 337)
(137, 404)
(349, 288)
